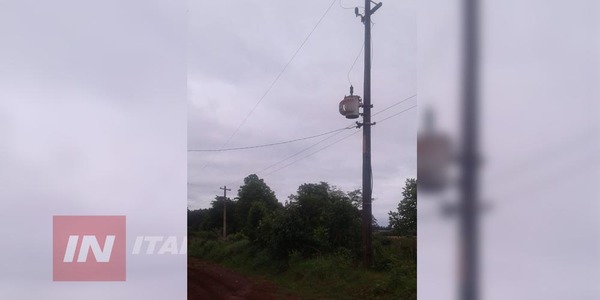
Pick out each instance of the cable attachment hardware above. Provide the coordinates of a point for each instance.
(360, 124)
(362, 18)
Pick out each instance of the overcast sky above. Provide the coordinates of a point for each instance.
(235, 52)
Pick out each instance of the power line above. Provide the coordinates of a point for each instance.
(321, 149)
(327, 146)
(359, 52)
(298, 139)
(356, 59)
(271, 144)
(299, 152)
(277, 77)
(380, 121)
(337, 141)
(397, 103)
(331, 136)
(372, 25)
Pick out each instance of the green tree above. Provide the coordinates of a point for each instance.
(343, 222)
(285, 232)
(258, 212)
(254, 191)
(318, 219)
(404, 220)
(313, 199)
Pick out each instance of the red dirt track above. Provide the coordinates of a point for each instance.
(211, 281)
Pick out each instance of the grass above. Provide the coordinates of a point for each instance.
(333, 276)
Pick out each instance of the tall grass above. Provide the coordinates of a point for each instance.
(332, 276)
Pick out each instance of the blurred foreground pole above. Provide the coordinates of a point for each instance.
(469, 256)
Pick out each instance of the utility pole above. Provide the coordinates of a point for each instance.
(349, 107)
(225, 189)
(367, 173)
(469, 252)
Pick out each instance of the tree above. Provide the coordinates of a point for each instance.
(254, 190)
(356, 198)
(258, 212)
(313, 199)
(404, 220)
(285, 232)
(343, 221)
(319, 219)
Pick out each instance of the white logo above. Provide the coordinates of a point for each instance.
(89, 242)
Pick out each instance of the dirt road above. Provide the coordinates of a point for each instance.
(211, 281)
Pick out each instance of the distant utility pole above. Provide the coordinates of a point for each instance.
(225, 189)
(367, 173)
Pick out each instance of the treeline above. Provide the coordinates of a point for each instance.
(318, 219)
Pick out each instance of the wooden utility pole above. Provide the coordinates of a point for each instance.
(225, 189)
(367, 173)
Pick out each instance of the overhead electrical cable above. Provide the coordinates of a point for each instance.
(337, 141)
(312, 153)
(397, 103)
(355, 60)
(282, 71)
(382, 120)
(329, 137)
(271, 144)
(324, 139)
(276, 78)
(300, 152)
